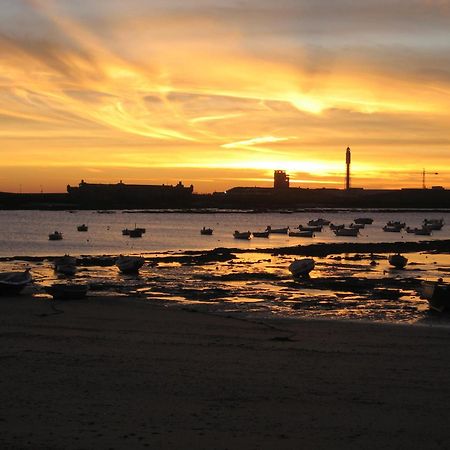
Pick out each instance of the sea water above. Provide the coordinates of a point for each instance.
(25, 233)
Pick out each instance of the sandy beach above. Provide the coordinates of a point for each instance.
(113, 373)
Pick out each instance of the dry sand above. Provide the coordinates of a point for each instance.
(112, 373)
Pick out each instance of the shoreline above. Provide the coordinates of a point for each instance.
(121, 373)
(319, 249)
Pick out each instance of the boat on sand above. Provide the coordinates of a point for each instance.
(129, 264)
(14, 282)
(66, 265)
(301, 267)
(437, 293)
(398, 261)
(206, 231)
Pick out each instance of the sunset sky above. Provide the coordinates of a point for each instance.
(219, 93)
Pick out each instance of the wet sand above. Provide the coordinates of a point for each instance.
(113, 373)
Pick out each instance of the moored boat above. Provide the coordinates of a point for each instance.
(271, 230)
(129, 264)
(206, 231)
(136, 233)
(364, 220)
(313, 228)
(261, 234)
(359, 226)
(301, 267)
(305, 233)
(392, 228)
(437, 293)
(346, 232)
(433, 224)
(55, 236)
(14, 282)
(398, 261)
(318, 222)
(242, 234)
(82, 227)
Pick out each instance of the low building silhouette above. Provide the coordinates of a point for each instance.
(121, 195)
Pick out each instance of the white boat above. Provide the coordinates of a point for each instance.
(130, 264)
(437, 293)
(305, 233)
(67, 291)
(261, 234)
(301, 267)
(398, 261)
(271, 230)
(392, 228)
(346, 232)
(206, 231)
(242, 234)
(55, 236)
(364, 220)
(313, 228)
(14, 282)
(66, 265)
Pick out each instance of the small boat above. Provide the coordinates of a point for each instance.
(83, 227)
(126, 232)
(360, 226)
(261, 234)
(364, 220)
(398, 261)
(336, 227)
(67, 291)
(66, 265)
(301, 267)
(105, 211)
(55, 236)
(313, 228)
(424, 231)
(277, 230)
(437, 293)
(318, 222)
(129, 264)
(136, 233)
(396, 224)
(305, 233)
(346, 232)
(433, 224)
(14, 282)
(206, 231)
(392, 228)
(242, 235)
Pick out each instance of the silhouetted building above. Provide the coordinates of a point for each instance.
(348, 160)
(280, 180)
(123, 195)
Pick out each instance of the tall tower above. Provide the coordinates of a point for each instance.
(348, 160)
(280, 180)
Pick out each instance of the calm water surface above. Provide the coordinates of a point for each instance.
(26, 232)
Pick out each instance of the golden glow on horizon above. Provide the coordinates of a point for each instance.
(194, 92)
